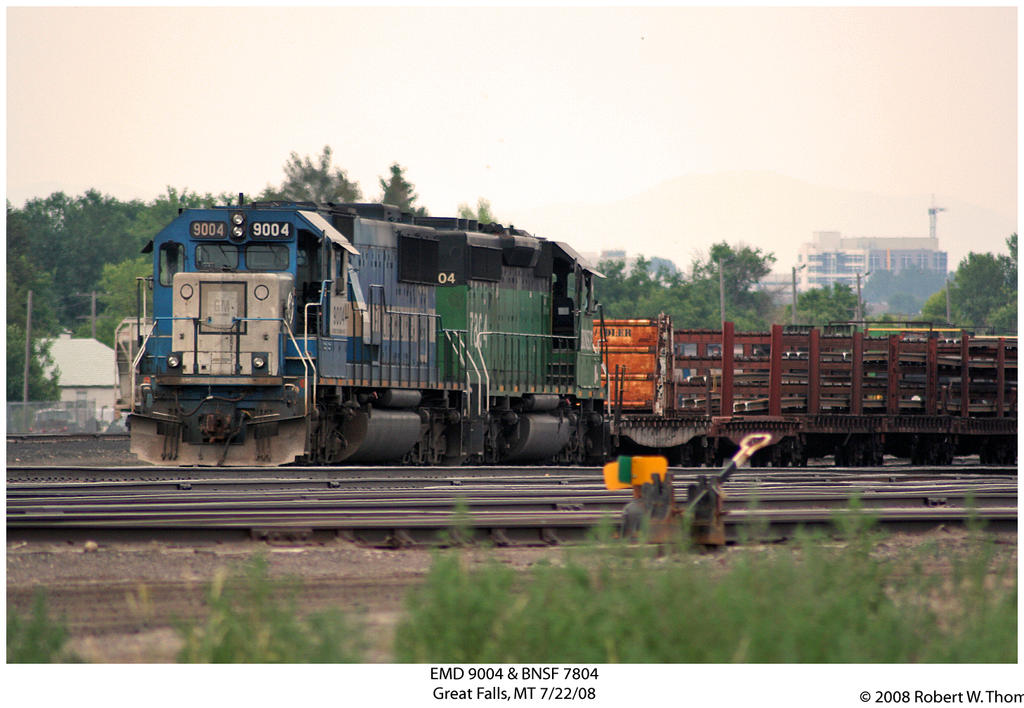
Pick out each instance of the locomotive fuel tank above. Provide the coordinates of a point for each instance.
(379, 435)
(541, 435)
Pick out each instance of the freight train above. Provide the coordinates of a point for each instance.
(357, 333)
(346, 333)
(914, 393)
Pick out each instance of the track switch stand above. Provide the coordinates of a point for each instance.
(654, 495)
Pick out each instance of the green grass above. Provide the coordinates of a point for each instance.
(254, 619)
(820, 601)
(37, 638)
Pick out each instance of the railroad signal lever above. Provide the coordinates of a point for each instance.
(704, 510)
(654, 496)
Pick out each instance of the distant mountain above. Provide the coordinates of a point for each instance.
(680, 219)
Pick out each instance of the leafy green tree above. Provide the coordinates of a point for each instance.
(819, 306)
(934, 308)
(482, 214)
(982, 292)
(397, 190)
(25, 272)
(314, 182)
(1003, 320)
(118, 297)
(977, 288)
(1009, 264)
(905, 291)
(58, 247)
(40, 386)
(905, 304)
(73, 238)
(694, 302)
(160, 212)
(742, 268)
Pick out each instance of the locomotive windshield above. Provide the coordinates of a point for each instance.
(216, 256)
(266, 256)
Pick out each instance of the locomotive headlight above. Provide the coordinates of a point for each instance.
(186, 291)
(237, 226)
(258, 362)
(173, 362)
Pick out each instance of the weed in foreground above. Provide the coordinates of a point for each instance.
(254, 619)
(817, 600)
(36, 639)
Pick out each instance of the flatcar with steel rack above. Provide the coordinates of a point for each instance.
(915, 392)
(296, 332)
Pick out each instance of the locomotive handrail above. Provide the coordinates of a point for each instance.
(299, 350)
(138, 357)
(304, 356)
(483, 362)
(305, 329)
(459, 345)
(127, 348)
(305, 369)
(142, 348)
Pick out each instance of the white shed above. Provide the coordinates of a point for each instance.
(86, 372)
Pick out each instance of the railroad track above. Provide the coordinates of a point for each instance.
(502, 474)
(503, 509)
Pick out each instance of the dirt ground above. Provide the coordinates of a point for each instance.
(121, 601)
(97, 452)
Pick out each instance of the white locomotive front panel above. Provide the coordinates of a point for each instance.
(228, 324)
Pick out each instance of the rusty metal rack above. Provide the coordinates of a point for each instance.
(693, 394)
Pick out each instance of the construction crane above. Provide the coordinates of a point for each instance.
(933, 215)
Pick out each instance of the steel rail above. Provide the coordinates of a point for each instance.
(499, 528)
(58, 507)
(342, 473)
(592, 487)
(397, 487)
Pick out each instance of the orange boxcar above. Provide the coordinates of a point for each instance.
(638, 358)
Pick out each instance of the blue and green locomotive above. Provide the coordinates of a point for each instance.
(358, 333)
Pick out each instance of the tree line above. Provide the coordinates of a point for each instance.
(65, 248)
(982, 293)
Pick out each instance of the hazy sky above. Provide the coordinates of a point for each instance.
(526, 107)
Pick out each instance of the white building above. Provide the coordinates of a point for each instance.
(86, 372)
(832, 258)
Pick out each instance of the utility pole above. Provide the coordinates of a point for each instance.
(860, 307)
(933, 217)
(721, 291)
(949, 316)
(28, 349)
(92, 310)
(795, 269)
